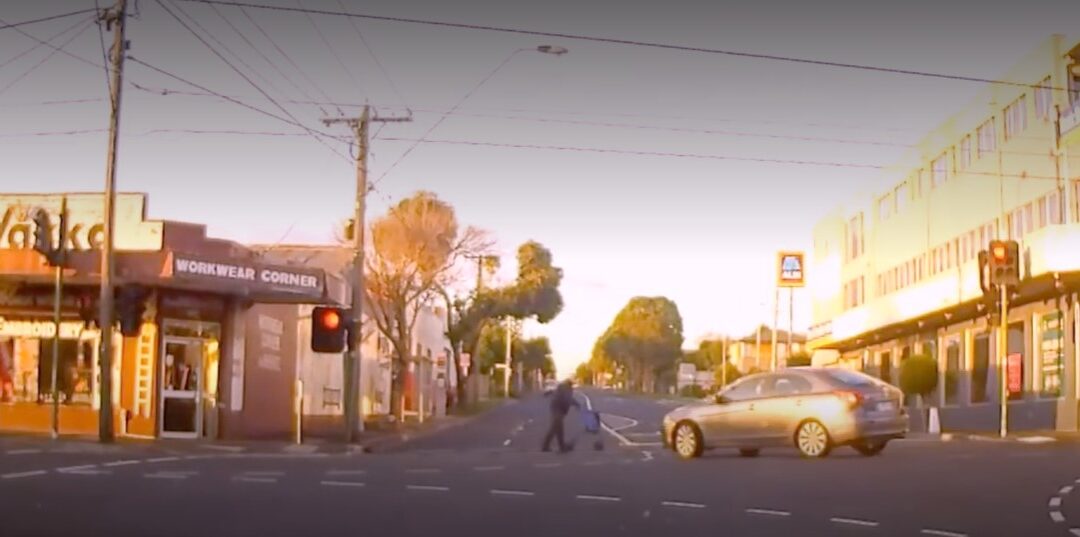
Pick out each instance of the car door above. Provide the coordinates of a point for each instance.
(733, 420)
(781, 407)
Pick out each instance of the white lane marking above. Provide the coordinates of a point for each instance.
(121, 463)
(163, 459)
(1066, 489)
(66, 469)
(689, 505)
(855, 522)
(504, 492)
(1074, 531)
(264, 473)
(341, 483)
(943, 533)
(594, 463)
(165, 475)
(427, 487)
(88, 472)
(17, 475)
(598, 498)
(770, 512)
(346, 472)
(1055, 502)
(506, 442)
(488, 468)
(648, 455)
(246, 479)
(423, 471)
(547, 465)
(1056, 516)
(22, 451)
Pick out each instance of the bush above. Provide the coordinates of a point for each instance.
(694, 391)
(918, 375)
(799, 359)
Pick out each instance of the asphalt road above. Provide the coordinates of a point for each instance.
(488, 477)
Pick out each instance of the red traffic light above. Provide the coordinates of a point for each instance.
(999, 251)
(330, 319)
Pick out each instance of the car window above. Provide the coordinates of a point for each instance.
(851, 378)
(746, 389)
(783, 385)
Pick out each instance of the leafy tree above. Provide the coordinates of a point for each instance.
(733, 374)
(415, 245)
(645, 338)
(799, 359)
(584, 374)
(918, 375)
(693, 390)
(536, 356)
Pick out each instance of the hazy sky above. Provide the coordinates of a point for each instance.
(702, 231)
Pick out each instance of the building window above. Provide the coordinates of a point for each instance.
(885, 367)
(980, 368)
(1053, 202)
(963, 160)
(953, 352)
(885, 207)
(1015, 118)
(1044, 101)
(26, 371)
(855, 237)
(902, 196)
(918, 183)
(965, 247)
(987, 138)
(1051, 354)
(939, 170)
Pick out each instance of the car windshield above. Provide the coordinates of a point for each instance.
(852, 378)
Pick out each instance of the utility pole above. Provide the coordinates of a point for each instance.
(791, 321)
(58, 297)
(509, 352)
(352, 358)
(775, 322)
(115, 20)
(1003, 352)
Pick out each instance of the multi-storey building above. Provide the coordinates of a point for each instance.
(897, 273)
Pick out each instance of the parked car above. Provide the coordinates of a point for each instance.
(812, 409)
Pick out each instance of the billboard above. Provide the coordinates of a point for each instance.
(791, 269)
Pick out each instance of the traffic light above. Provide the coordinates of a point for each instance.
(329, 329)
(43, 243)
(130, 307)
(1004, 263)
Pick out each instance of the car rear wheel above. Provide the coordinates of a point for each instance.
(687, 441)
(749, 452)
(869, 448)
(812, 440)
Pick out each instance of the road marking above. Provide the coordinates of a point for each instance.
(503, 492)
(1055, 502)
(855, 522)
(598, 498)
(22, 451)
(261, 473)
(547, 465)
(1066, 489)
(594, 463)
(488, 468)
(246, 479)
(507, 442)
(689, 505)
(648, 455)
(341, 483)
(1074, 531)
(75, 468)
(769, 512)
(163, 459)
(346, 472)
(427, 487)
(165, 475)
(88, 472)
(943, 533)
(1056, 516)
(17, 475)
(423, 471)
(122, 462)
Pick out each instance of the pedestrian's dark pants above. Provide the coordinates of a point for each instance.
(555, 431)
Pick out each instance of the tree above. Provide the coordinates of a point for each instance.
(415, 245)
(583, 374)
(799, 359)
(733, 374)
(645, 337)
(918, 375)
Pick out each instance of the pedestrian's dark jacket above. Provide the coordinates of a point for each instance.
(563, 399)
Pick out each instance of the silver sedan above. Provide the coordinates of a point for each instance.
(812, 409)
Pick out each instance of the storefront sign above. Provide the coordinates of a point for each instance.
(41, 329)
(1051, 353)
(790, 269)
(85, 221)
(1015, 373)
(277, 278)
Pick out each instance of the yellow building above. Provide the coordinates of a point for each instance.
(897, 272)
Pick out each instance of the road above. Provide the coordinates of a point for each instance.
(488, 477)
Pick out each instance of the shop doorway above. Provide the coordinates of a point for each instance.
(189, 363)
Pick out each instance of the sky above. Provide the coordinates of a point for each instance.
(682, 202)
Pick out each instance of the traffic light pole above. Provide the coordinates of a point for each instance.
(58, 295)
(1003, 353)
(117, 16)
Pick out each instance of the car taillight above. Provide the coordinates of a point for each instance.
(851, 398)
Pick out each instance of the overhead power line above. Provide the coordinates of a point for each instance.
(631, 42)
(47, 43)
(39, 42)
(32, 68)
(6, 25)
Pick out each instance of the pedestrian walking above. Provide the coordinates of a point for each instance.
(562, 400)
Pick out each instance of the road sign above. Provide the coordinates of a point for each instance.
(1015, 373)
(791, 269)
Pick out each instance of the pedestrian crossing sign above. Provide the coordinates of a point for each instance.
(791, 273)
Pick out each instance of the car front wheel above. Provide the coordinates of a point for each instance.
(687, 441)
(813, 440)
(869, 448)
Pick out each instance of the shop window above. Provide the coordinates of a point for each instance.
(75, 371)
(953, 353)
(7, 371)
(980, 368)
(1050, 354)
